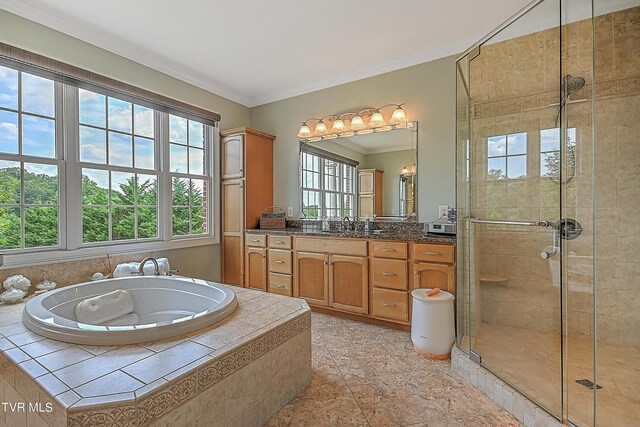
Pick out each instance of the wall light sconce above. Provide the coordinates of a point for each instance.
(345, 125)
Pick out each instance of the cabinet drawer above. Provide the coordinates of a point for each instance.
(435, 253)
(396, 250)
(280, 284)
(280, 242)
(333, 246)
(258, 240)
(280, 261)
(388, 304)
(390, 273)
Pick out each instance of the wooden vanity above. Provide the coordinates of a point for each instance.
(368, 279)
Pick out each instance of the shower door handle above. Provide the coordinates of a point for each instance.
(516, 223)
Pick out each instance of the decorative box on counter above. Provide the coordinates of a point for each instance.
(273, 218)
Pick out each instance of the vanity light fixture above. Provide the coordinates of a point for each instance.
(344, 125)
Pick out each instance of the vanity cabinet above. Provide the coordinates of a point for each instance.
(369, 192)
(256, 263)
(434, 266)
(349, 283)
(280, 264)
(365, 279)
(311, 275)
(247, 189)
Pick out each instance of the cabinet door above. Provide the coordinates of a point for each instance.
(366, 182)
(366, 205)
(349, 283)
(256, 268)
(311, 278)
(232, 260)
(431, 275)
(233, 206)
(233, 156)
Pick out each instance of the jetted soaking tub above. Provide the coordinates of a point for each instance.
(164, 306)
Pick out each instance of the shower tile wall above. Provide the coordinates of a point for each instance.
(512, 83)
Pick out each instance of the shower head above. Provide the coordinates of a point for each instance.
(571, 84)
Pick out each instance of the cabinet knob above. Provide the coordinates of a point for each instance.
(279, 261)
(387, 273)
(278, 285)
(433, 253)
(388, 304)
(388, 250)
(255, 240)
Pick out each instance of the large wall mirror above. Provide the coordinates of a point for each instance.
(372, 175)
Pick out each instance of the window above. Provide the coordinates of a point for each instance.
(189, 186)
(550, 151)
(507, 156)
(29, 161)
(328, 187)
(119, 176)
(138, 174)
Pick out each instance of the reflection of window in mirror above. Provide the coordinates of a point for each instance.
(328, 188)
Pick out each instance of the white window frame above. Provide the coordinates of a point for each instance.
(71, 246)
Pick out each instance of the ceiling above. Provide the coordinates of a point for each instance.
(255, 52)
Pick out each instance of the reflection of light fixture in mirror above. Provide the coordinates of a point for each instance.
(398, 115)
(357, 122)
(363, 122)
(376, 119)
(407, 169)
(338, 125)
(304, 132)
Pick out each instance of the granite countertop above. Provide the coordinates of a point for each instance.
(413, 236)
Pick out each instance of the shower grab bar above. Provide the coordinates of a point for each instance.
(520, 223)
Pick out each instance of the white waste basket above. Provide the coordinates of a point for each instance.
(432, 323)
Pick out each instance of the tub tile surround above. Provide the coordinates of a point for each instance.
(221, 374)
(70, 272)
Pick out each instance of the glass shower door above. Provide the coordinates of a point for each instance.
(515, 202)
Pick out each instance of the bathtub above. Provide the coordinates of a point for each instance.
(165, 306)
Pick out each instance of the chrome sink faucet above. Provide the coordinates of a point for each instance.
(348, 226)
(156, 269)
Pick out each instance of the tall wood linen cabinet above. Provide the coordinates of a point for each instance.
(247, 189)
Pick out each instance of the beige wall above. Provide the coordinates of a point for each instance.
(204, 261)
(429, 93)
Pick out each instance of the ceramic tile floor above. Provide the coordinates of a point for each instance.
(366, 375)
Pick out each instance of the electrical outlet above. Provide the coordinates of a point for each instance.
(290, 212)
(442, 210)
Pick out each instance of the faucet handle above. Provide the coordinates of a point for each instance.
(170, 272)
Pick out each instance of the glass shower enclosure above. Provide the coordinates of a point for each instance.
(548, 197)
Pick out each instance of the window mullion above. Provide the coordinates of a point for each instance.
(165, 224)
(72, 170)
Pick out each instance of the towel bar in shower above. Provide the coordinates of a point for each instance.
(520, 223)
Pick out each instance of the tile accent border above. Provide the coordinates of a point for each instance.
(164, 400)
(511, 400)
(613, 88)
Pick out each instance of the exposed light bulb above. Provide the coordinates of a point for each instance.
(398, 115)
(405, 170)
(376, 119)
(338, 125)
(357, 122)
(304, 131)
(321, 127)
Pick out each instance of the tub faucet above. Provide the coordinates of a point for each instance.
(156, 270)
